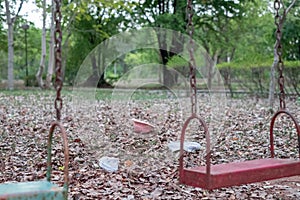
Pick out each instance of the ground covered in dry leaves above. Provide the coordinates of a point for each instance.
(147, 168)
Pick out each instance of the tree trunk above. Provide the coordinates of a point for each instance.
(272, 81)
(94, 65)
(167, 52)
(101, 66)
(65, 52)
(65, 46)
(10, 38)
(39, 75)
(93, 80)
(161, 36)
(50, 70)
(210, 74)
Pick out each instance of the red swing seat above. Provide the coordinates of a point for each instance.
(237, 173)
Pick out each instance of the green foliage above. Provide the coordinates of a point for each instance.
(33, 49)
(165, 14)
(94, 22)
(111, 77)
(291, 36)
(177, 61)
(292, 64)
(140, 57)
(179, 64)
(253, 76)
(238, 31)
(227, 29)
(292, 69)
(3, 64)
(3, 38)
(250, 64)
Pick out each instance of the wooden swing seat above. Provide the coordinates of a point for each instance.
(238, 173)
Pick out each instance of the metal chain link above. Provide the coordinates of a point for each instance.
(277, 6)
(58, 59)
(192, 63)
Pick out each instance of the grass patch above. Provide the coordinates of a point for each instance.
(27, 92)
(100, 94)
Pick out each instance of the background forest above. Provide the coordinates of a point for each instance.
(237, 35)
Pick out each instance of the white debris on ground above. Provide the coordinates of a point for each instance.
(110, 164)
(174, 146)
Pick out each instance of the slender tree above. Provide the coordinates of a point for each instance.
(39, 74)
(51, 50)
(10, 38)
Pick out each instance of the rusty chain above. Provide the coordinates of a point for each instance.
(278, 47)
(192, 63)
(58, 59)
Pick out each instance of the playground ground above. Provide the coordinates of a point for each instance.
(147, 168)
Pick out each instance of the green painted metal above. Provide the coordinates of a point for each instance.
(44, 190)
(31, 190)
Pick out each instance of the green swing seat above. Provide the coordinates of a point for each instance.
(31, 190)
(37, 190)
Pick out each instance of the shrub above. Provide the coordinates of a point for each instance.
(254, 76)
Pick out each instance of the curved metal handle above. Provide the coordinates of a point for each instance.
(207, 136)
(66, 153)
(272, 127)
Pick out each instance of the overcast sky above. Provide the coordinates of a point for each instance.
(32, 13)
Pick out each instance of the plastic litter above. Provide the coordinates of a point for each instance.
(187, 146)
(142, 127)
(110, 164)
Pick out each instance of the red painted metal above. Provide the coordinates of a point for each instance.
(297, 126)
(237, 173)
(208, 152)
(142, 127)
(230, 174)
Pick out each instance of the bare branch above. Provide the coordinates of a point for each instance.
(285, 13)
(290, 7)
(18, 12)
(20, 7)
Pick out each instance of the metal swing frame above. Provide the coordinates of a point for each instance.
(45, 189)
(236, 173)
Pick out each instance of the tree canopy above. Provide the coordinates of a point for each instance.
(229, 31)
